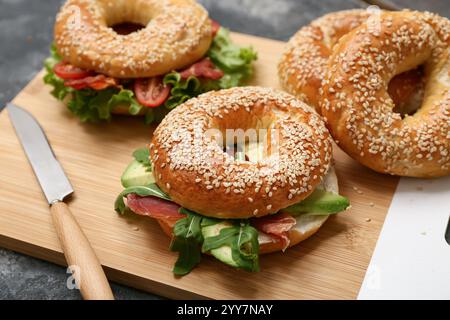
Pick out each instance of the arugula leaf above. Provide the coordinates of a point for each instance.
(193, 229)
(187, 241)
(143, 191)
(189, 255)
(143, 156)
(242, 238)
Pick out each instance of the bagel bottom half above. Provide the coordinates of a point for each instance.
(306, 225)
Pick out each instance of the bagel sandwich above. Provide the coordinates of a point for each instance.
(207, 206)
(139, 58)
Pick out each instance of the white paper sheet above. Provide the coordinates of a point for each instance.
(412, 258)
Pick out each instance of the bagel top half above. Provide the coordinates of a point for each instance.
(191, 166)
(177, 33)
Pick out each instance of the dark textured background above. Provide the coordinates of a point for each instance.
(25, 36)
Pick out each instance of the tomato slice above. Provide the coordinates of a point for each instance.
(99, 82)
(151, 92)
(69, 72)
(215, 26)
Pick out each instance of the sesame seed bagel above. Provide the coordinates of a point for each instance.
(359, 110)
(177, 33)
(305, 60)
(191, 166)
(305, 227)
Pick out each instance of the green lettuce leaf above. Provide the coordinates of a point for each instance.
(182, 90)
(143, 191)
(124, 97)
(53, 60)
(234, 61)
(59, 91)
(187, 242)
(93, 106)
(155, 115)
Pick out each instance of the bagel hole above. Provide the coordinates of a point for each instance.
(126, 28)
(407, 91)
(244, 139)
(237, 152)
(252, 148)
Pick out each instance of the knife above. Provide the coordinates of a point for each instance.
(80, 256)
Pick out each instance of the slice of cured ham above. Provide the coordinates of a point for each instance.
(277, 225)
(155, 208)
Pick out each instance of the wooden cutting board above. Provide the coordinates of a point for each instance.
(134, 251)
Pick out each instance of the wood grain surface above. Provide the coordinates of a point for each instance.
(134, 250)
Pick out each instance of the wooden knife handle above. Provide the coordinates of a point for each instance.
(80, 255)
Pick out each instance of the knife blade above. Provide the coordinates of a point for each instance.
(80, 256)
(48, 170)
